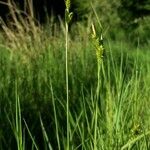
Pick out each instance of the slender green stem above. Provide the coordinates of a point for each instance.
(67, 90)
(95, 128)
(96, 104)
(98, 80)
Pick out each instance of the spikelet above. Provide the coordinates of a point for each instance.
(68, 4)
(68, 14)
(97, 44)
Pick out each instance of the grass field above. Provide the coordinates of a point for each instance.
(108, 106)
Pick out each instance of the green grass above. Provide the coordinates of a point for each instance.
(33, 94)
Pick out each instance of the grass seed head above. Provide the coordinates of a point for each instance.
(97, 42)
(68, 4)
(68, 14)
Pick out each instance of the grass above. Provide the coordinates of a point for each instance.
(107, 105)
(67, 21)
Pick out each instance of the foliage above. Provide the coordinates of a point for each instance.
(108, 98)
(119, 119)
(132, 10)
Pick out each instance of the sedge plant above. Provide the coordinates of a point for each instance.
(97, 42)
(68, 17)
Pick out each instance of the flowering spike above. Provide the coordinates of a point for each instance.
(68, 14)
(98, 44)
(67, 3)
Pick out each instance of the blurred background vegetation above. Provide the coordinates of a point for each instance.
(129, 16)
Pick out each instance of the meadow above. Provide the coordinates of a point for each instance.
(92, 103)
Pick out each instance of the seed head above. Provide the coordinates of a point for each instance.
(67, 3)
(98, 44)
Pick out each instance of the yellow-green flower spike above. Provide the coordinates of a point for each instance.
(68, 14)
(97, 44)
(68, 4)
